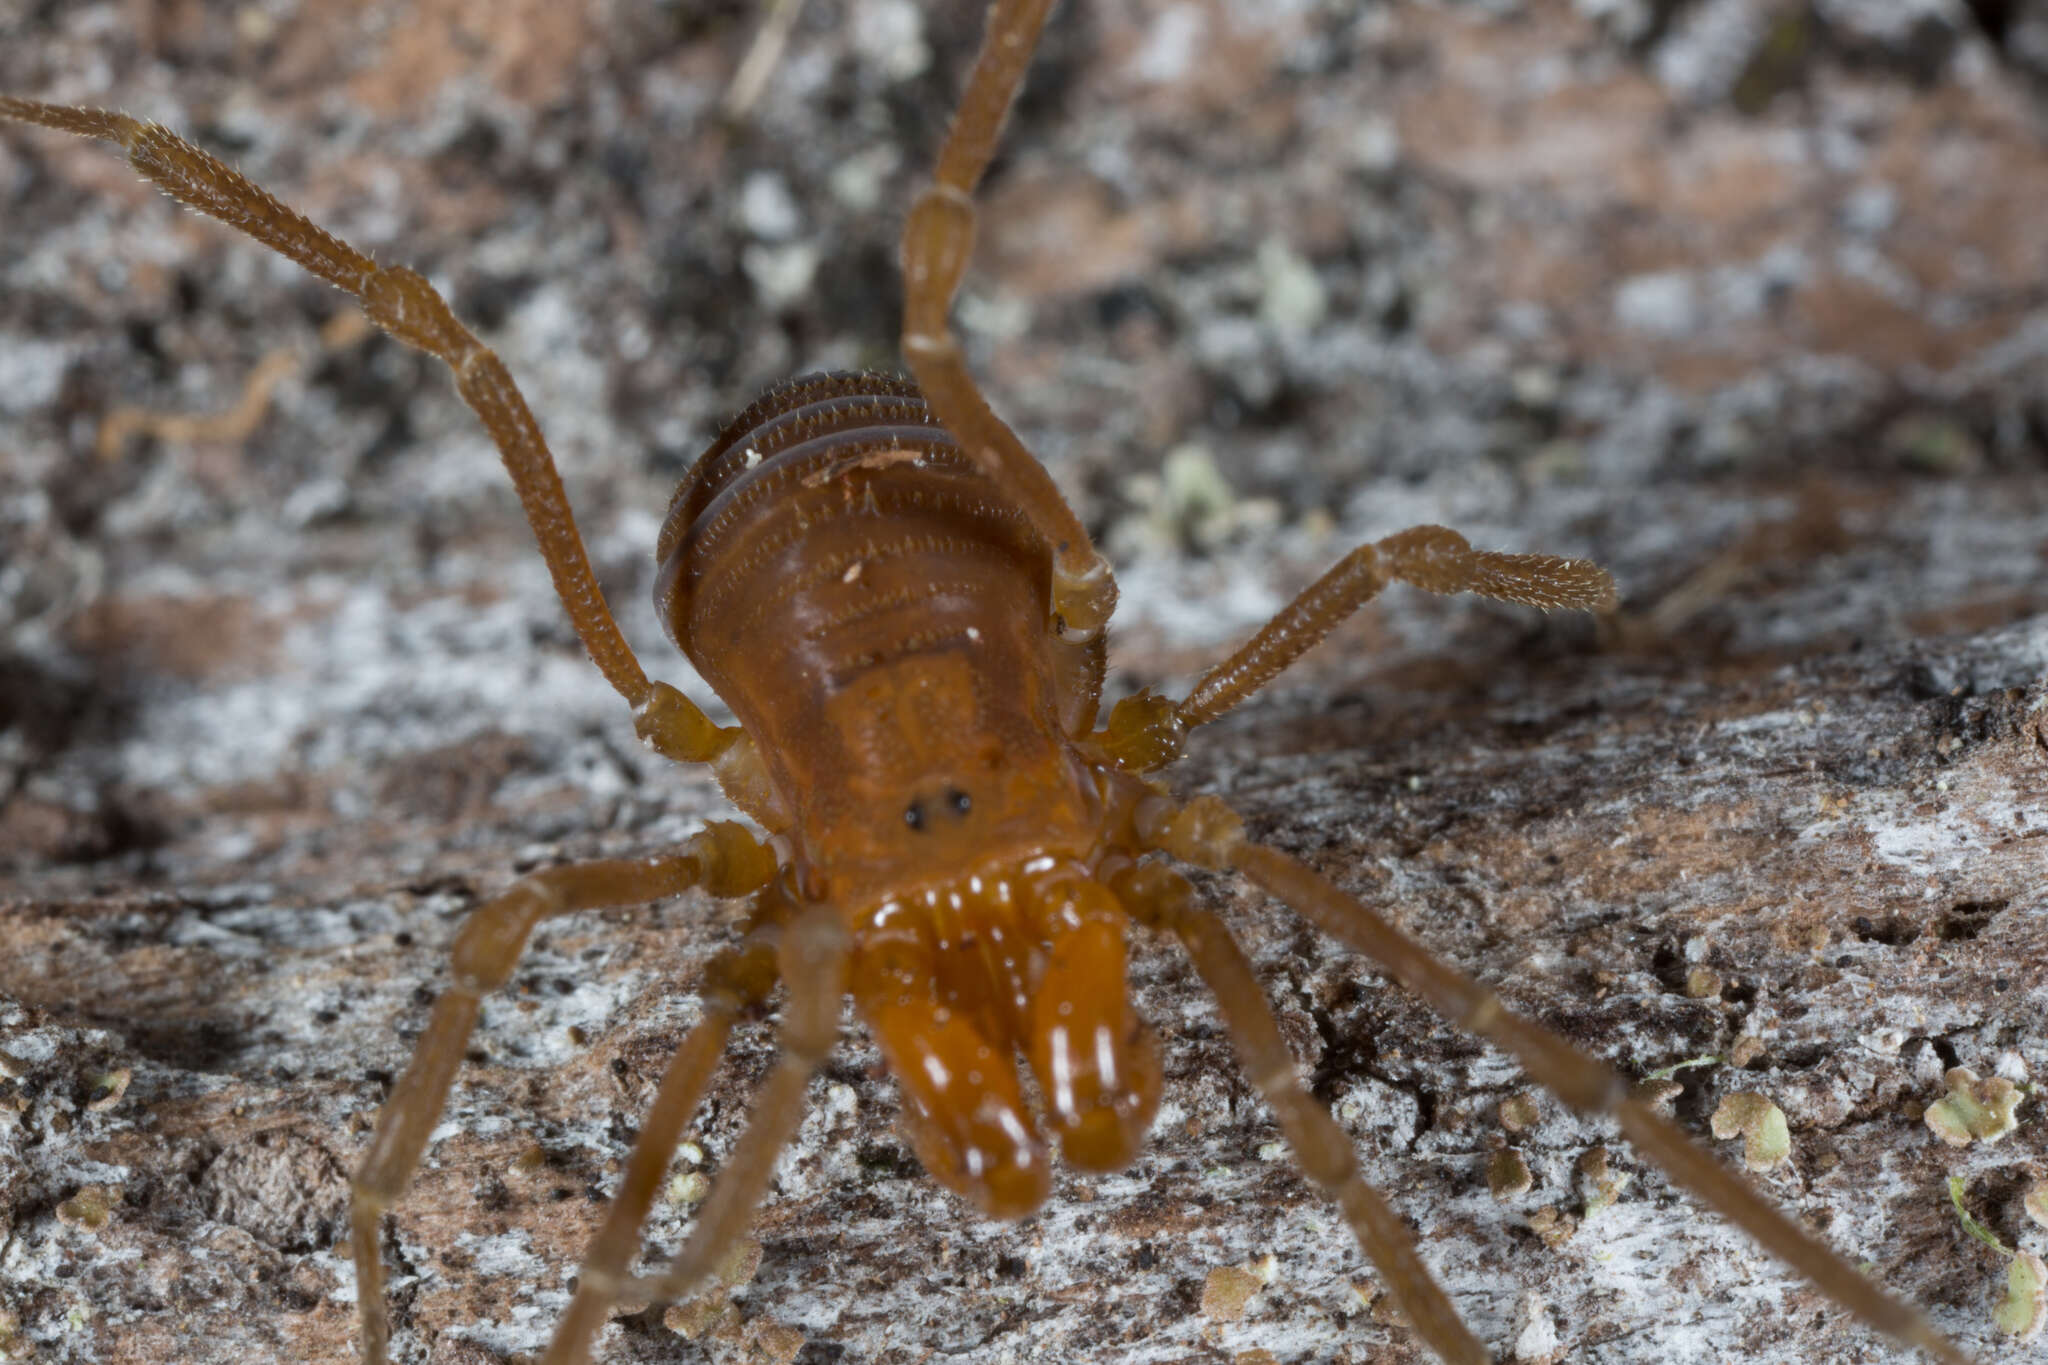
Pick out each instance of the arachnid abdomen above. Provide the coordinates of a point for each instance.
(874, 612)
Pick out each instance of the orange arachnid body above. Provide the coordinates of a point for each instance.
(870, 606)
(906, 620)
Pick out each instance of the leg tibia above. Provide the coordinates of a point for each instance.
(1013, 29)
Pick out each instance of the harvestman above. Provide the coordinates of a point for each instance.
(906, 618)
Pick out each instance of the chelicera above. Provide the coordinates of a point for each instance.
(907, 619)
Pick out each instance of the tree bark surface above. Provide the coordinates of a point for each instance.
(1745, 302)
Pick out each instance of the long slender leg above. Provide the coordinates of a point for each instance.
(1163, 899)
(1147, 732)
(814, 965)
(723, 859)
(401, 302)
(1207, 833)
(938, 239)
(732, 983)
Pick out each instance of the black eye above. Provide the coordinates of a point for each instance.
(913, 815)
(960, 801)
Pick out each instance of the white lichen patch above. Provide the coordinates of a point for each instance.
(548, 1024)
(1199, 602)
(522, 1326)
(1974, 1110)
(1766, 1141)
(1536, 1341)
(1928, 838)
(509, 1253)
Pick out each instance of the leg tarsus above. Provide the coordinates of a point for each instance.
(1207, 833)
(402, 302)
(732, 982)
(1147, 732)
(723, 859)
(1430, 557)
(814, 968)
(1162, 898)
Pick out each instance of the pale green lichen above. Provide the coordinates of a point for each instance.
(1974, 1110)
(90, 1209)
(2035, 1202)
(1507, 1175)
(1969, 1220)
(1518, 1113)
(108, 1088)
(1766, 1141)
(1600, 1182)
(2024, 1308)
(1665, 1073)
